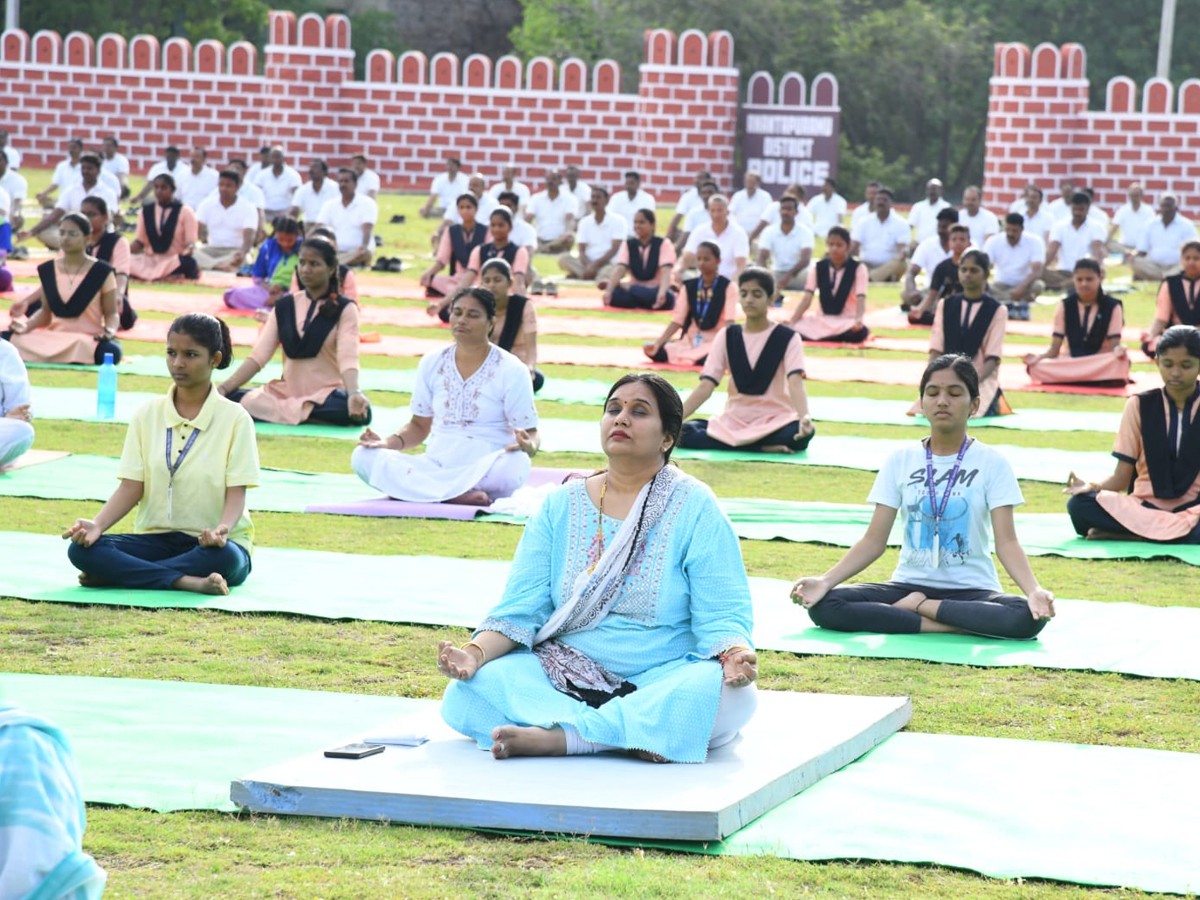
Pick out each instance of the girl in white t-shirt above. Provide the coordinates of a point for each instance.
(952, 493)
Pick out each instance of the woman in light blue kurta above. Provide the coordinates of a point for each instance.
(621, 631)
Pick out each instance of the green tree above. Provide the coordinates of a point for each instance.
(222, 20)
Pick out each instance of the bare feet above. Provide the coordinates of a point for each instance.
(1095, 534)
(911, 602)
(472, 498)
(214, 584)
(86, 580)
(649, 756)
(777, 448)
(511, 740)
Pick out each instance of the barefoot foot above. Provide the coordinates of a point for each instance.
(1096, 534)
(648, 756)
(511, 740)
(472, 498)
(214, 584)
(86, 580)
(777, 448)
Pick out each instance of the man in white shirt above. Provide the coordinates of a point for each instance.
(11, 153)
(115, 163)
(864, 209)
(66, 173)
(352, 217)
(688, 201)
(256, 168)
(881, 239)
(444, 190)
(787, 247)
(982, 223)
(627, 202)
(1037, 219)
(227, 223)
(368, 180)
(508, 182)
(168, 165)
(1060, 207)
(725, 233)
(1017, 260)
(597, 240)
(278, 182)
(771, 215)
(201, 180)
(1133, 218)
(1158, 253)
(1071, 240)
(485, 204)
(71, 200)
(579, 189)
(827, 208)
(699, 213)
(923, 215)
(552, 212)
(928, 255)
(313, 194)
(252, 194)
(17, 189)
(749, 205)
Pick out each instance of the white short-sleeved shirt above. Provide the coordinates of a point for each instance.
(448, 190)
(923, 218)
(929, 254)
(226, 225)
(181, 171)
(309, 200)
(1161, 244)
(483, 212)
(1133, 222)
(582, 192)
(696, 218)
(878, 241)
(118, 165)
(1057, 209)
(1039, 224)
(368, 183)
(733, 241)
(252, 194)
(14, 379)
(1076, 243)
(65, 174)
(626, 208)
(749, 210)
(196, 187)
(688, 201)
(16, 186)
(71, 199)
(785, 249)
(13, 155)
(599, 236)
(982, 225)
(550, 213)
(826, 213)
(985, 482)
(860, 212)
(278, 189)
(1011, 264)
(347, 221)
(523, 234)
(520, 188)
(803, 217)
(6, 204)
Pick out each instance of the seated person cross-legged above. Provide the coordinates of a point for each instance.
(474, 404)
(16, 413)
(189, 457)
(767, 410)
(457, 242)
(837, 279)
(625, 624)
(501, 246)
(943, 282)
(318, 331)
(648, 260)
(1158, 452)
(945, 579)
(274, 268)
(1178, 301)
(514, 328)
(1090, 321)
(710, 304)
(166, 237)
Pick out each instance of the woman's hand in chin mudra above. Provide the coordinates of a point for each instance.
(456, 662)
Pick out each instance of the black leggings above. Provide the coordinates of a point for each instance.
(639, 296)
(335, 410)
(869, 607)
(1087, 513)
(695, 436)
(102, 347)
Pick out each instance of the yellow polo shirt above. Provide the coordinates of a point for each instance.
(224, 454)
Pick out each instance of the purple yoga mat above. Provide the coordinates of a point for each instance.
(386, 506)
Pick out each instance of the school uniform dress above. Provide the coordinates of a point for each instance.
(515, 330)
(1085, 328)
(16, 435)
(1177, 303)
(644, 263)
(164, 233)
(76, 318)
(473, 424)
(708, 309)
(837, 291)
(210, 453)
(454, 251)
(759, 411)
(317, 349)
(1162, 443)
(974, 328)
(113, 248)
(272, 268)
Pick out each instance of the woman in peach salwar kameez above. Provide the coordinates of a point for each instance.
(839, 282)
(708, 305)
(1158, 450)
(166, 236)
(318, 331)
(1090, 321)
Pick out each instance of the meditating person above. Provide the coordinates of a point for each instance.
(838, 281)
(1017, 258)
(972, 323)
(1157, 254)
(929, 254)
(110, 246)
(274, 268)
(166, 237)
(16, 411)
(1076, 237)
(767, 409)
(515, 327)
(552, 212)
(952, 493)
(1158, 452)
(1090, 321)
(598, 237)
(943, 281)
(189, 457)
(352, 217)
(76, 316)
(501, 246)
(880, 239)
(347, 284)
(787, 246)
(457, 243)
(625, 624)
(228, 225)
(709, 305)
(1178, 294)
(648, 260)
(473, 402)
(318, 331)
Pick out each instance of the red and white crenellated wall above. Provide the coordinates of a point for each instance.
(406, 116)
(1041, 130)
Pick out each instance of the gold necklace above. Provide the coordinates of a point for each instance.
(600, 528)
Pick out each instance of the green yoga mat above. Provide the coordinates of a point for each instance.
(1156, 642)
(1086, 814)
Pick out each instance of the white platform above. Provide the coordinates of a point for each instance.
(793, 741)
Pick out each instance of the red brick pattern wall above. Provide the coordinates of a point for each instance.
(1041, 130)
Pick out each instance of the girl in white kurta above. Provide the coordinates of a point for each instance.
(474, 403)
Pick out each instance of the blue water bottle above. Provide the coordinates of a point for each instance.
(106, 389)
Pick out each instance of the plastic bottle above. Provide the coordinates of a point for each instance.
(106, 389)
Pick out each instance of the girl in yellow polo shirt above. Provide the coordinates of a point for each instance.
(187, 462)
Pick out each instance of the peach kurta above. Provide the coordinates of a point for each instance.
(693, 344)
(1066, 369)
(992, 346)
(151, 266)
(524, 347)
(67, 340)
(306, 383)
(816, 325)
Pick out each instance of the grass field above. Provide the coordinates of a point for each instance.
(215, 855)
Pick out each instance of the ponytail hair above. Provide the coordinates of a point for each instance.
(210, 332)
(329, 306)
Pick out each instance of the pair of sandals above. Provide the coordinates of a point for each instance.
(388, 264)
(548, 288)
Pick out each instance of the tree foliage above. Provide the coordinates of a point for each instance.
(197, 20)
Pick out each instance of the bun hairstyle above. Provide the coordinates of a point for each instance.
(482, 296)
(209, 332)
